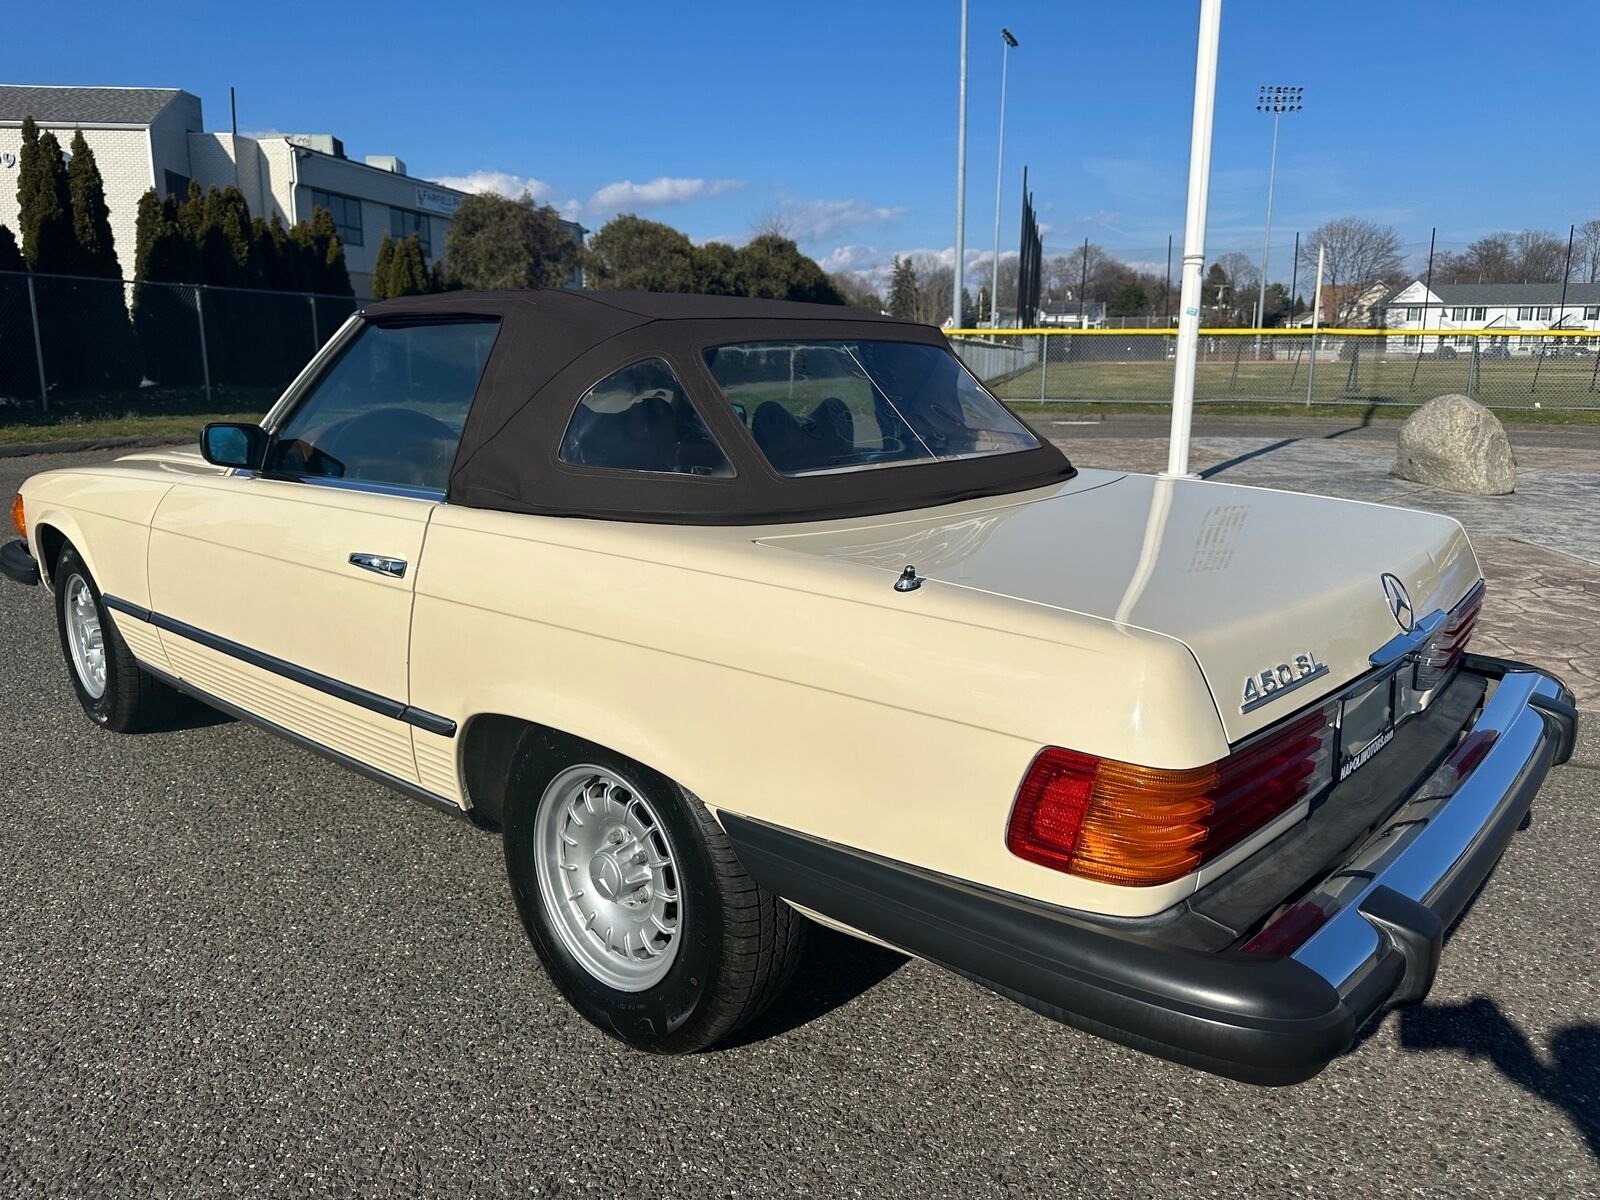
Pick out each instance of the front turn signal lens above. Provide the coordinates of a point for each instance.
(19, 520)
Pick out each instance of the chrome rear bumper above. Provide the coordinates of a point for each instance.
(1393, 901)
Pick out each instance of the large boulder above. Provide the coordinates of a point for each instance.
(1455, 443)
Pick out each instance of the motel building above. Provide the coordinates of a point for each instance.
(1521, 317)
(155, 137)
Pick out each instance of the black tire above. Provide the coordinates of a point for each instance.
(740, 942)
(133, 700)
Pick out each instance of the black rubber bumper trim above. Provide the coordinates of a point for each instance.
(1260, 1019)
(360, 697)
(17, 564)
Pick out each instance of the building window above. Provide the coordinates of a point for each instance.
(346, 212)
(403, 223)
(1591, 312)
(1544, 312)
(1412, 339)
(1525, 313)
(1414, 313)
(1458, 314)
(1480, 314)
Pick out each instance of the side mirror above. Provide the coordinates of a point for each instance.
(227, 445)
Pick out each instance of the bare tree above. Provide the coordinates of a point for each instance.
(1244, 280)
(772, 221)
(1587, 262)
(1541, 256)
(1359, 255)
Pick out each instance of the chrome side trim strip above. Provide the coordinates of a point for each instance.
(360, 697)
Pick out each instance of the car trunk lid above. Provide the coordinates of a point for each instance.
(1278, 595)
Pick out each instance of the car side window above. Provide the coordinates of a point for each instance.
(640, 419)
(390, 408)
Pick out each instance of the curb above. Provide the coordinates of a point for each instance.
(80, 445)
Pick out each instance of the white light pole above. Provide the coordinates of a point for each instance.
(1194, 238)
(1277, 101)
(999, 175)
(961, 182)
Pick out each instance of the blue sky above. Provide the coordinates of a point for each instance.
(1462, 114)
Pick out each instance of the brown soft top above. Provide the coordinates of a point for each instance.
(554, 344)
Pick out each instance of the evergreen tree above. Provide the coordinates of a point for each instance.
(91, 219)
(380, 272)
(163, 312)
(44, 204)
(408, 272)
(19, 375)
(334, 278)
(903, 289)
(10, 256)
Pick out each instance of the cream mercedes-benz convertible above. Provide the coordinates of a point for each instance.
(728, 611)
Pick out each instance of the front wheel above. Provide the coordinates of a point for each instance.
(114, 691)
(634, 900)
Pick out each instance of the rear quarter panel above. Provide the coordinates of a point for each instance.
(802, 692)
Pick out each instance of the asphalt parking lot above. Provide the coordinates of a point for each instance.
(229, 968)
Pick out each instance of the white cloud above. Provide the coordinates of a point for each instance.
(626, 194)
(852, 258)
(501, 182)
(819, 220)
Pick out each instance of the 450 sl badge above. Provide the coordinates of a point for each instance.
(1268, 685)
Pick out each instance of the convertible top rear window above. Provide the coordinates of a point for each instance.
(847, 405)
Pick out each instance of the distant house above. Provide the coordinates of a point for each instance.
(1073, 314)
(1525, 313)
(1352, 306)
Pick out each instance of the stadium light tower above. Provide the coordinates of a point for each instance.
(961, 181)
(999, 175)
(1277, 101)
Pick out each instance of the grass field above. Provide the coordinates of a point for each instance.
(1561, 384)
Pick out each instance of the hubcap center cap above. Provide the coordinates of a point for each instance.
(607, 874)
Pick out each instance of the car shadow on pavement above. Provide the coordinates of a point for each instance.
(834, 969)
(1570, 1080)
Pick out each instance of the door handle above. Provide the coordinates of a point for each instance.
(394, 568)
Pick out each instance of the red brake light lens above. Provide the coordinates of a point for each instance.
(1449, 642)
(1116, 822)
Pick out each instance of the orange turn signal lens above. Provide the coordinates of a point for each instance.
(19, 521)
(1116, 822)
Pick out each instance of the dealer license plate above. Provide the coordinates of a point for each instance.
(1366, 725)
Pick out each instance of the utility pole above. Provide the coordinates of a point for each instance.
(999, 175)
(961, 181)
(1194, 238)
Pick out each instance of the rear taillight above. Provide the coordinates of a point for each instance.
(1115, 822)
(1444, 649)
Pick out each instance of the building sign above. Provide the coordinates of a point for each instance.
(436, 201)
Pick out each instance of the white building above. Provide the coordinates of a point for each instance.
(1526, 314)
(154, 137)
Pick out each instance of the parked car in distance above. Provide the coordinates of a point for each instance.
(735, 614)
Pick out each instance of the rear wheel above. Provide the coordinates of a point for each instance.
(635, 902)
(114, 690)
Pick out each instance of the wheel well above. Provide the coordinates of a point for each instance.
(487, 755)
(51, 542)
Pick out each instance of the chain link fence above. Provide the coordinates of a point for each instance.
(79, 345)
(1277, 366)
